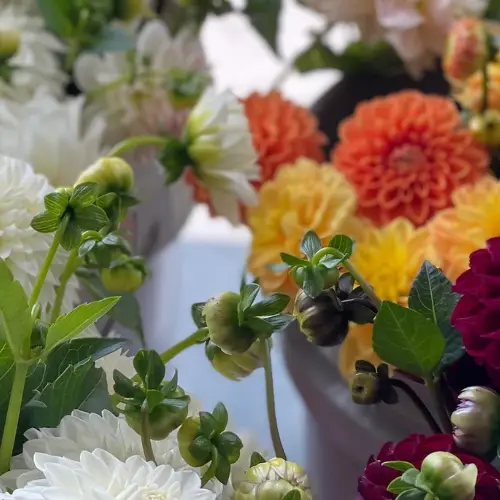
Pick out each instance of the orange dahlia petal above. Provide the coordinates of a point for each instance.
(405, 154)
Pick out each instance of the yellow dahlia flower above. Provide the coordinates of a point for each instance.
(303, 196)
(474, 218)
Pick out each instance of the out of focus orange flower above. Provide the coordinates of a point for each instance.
(405, 154)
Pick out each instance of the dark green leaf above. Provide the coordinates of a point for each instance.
(313, 281)
(197, 314)
(223, 470)
(343, 244)
(71, 236)
(292, 260)
(398, 486)
(86, 247)
(280, 321)
(248, 295)
(256, 459)
(79, 387)
(399, 465)
(15, 314)
(91, 218)
(46, 222)
(310, 244)
(201, 449)
(229, 445)
(114, 39)
(264, 16)
(170, 386)
(208, 424)
(56, 203)
(83, 195)
(431, 295)
(221, 417)
(154, 398)
(493, 11)
(150, 368)
(125, 387)
(57, 17)
(271, 304)
(260, 327)
(410, 476)
(406, 339)
(317, 56)
(413, 494)
(70, 325)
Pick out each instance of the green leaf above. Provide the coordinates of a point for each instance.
(197, 314)
(106, 200)
(70, 325)
(317, 56)
(229, 445)
(313, 281)
(46, 222)
(280, 321)
(410, 476)
(398, 486)
(310, 244)
(271, 304)
(56, 203)
(86, 247)
(91, 218)
(293, 495)
(79, 387)
(260, 327)
(71, 236)
(221, 417)
(15, 314)
(113, 39)
(208, 424)
(154, 398)
(248, 295)
(431, 295)
(76, 351)
(399, 465)
(291, 260)
(264, 17)
(408, 340)
(413, 494)
(223, 470)
(56, 16)
(201, 449)
(83, 195)
(125, 387)
(493, 11)
(256, 459)
(343, 244)
(150, 368)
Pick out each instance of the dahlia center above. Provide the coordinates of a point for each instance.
(406, 156)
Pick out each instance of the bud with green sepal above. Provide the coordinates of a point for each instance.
(10, 39)
(235, 321)
(235, 366)
(275, 479)
(476, 421)
(203, 440)
(166, 402)
(125, 274)
(99, 251)
(372, 385)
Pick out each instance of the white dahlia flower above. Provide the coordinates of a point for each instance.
(100, 475)
(51, 136)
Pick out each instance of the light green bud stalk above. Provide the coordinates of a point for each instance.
(447, 477)
(112, 174)
(9, 43)
(273, 480)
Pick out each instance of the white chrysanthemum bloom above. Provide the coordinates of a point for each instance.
(129, 87)
(220, 143)
(100, 475)
(117, 360)
(36, 61)
(23, 249)
(51, 136)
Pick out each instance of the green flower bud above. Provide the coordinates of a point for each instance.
(330, 276)
(9, 43)
(112, 174)
(447, 477)
(272, 480)
(122, 279)
(235, 366)
(163, 420)
(188, 432)
(185, 87)
(365, 388)
(205, 149)
(476, 421)
(221, 316)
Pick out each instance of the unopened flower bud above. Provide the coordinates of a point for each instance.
(273, 480)
(185, 87)
(365, 388)
(235, 366)
(476, 421)
(9, 43)
(447, 477)
(205, 149)
(221, 316)
(486, 127)
(112, 174)
(466, 49)
(123, 279)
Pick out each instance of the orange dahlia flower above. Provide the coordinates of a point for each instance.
(456, 232)
(302, 196)
(405, 154)
(282, 133)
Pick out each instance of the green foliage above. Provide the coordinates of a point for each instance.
(264, 17)
(493, 10)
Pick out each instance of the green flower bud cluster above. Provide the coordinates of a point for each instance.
(203, 440)
(442, 476)
(275, 479)
(165, 402)
(235, 321)
(476, 421)
(372, 385)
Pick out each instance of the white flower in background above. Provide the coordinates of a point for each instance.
(220, 143)
(23, 249)
(100, 475)
(51, 136)
(36, 61)
(129, 87)
(117, 360)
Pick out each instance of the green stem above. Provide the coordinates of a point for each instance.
(12, 418)
(135, 142)
(71, 265)
(45, 269)
(271, 407)
(146, 438)
(485, 85)
(444, 418)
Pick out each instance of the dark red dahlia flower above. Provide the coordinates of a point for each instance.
(477, 314)
(373, 483)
